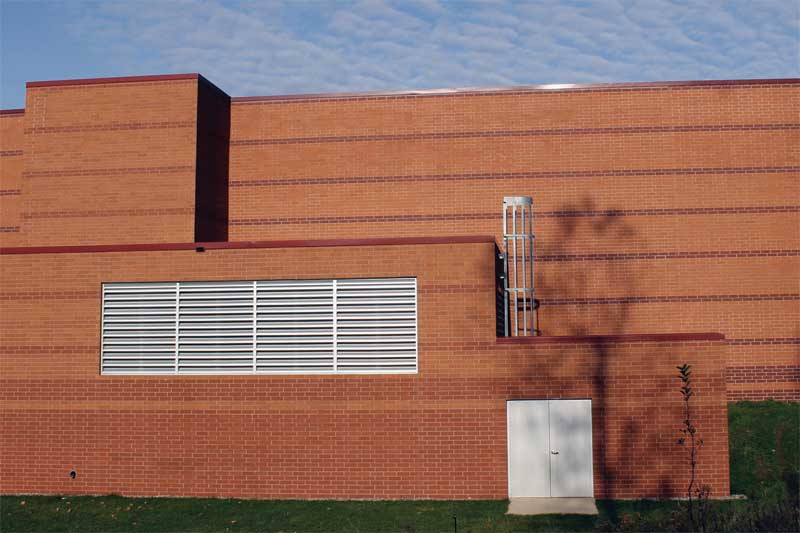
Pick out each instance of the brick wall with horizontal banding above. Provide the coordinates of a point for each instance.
(657, 209)
(109, 163)
(11, 158)
(438, 434)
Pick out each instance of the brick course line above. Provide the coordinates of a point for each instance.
(49, 295)
(109, 213)
(10, 192)
(477, 347)
(9, 229)
(10, 153)
(624, 130)
(122, 126)
(467, 288)
(495, 216)
(671, 299)
(470, 176)
(764, 341)
(107, 171)
(646, 256)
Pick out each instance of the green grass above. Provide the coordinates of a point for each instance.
(764, 447)
(765, 461)
(114, 513)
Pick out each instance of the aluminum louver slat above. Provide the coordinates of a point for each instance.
(202, 305)
(269, 327)
(138, 325)
(376, 325)
(284, 310)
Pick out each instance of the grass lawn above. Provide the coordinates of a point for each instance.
(765, 465)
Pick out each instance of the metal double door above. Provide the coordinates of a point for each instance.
(550, 448)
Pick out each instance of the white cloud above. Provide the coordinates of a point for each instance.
(273, 48)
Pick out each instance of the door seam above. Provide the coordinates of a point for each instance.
(549, 454)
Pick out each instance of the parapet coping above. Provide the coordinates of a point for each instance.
(455, 91)
(242, 245)
(117, 79)
(551, 87)
(601, 339)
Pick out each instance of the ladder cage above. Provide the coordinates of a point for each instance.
(518, 265)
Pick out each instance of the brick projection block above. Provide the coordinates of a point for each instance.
(123, 162)
(438, 434)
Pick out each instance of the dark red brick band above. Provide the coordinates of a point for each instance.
(243, 245)
(121, 126)
(765, 341)
(49, 295)
(10, 153)
(485, 176)
(670, 299)
(654, 337)
(10, 192)
(422, 136)
(114, 213)
(648, 256)
(359, 219)
(75, 172)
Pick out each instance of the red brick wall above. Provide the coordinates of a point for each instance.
(11, 157)
(109, 163)
(661, 209)
(438, 434)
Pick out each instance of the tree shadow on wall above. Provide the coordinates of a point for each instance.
(583, 287)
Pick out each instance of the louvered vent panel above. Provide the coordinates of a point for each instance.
(294, 326)
(215, 327)
(271, 327)
(376, 325)
(138, 328)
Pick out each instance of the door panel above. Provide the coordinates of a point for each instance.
(528, 450)
(571, 448)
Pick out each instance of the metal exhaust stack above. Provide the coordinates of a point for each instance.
(518, 265)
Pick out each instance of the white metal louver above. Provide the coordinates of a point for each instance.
(376, 325)
(269, 327)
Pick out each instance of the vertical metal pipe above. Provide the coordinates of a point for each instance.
(524, 276)
(506, 312)
(514, 262)
(530, 256)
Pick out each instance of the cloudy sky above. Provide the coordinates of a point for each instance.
(271, 47)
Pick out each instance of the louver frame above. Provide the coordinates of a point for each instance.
(322, 326)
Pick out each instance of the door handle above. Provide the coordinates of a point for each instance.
(554, 453)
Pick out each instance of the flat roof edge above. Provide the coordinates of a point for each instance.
(118, 79)
(634, 337)
(243, 245)
(518, 88)
(19, 111)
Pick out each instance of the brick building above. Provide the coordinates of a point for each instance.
(156, 234)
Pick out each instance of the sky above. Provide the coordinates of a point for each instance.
(269, 47)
